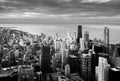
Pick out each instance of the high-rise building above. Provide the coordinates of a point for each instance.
(11, 58)
(66, 51)
(106, 39)
(45, 60)
(62, 51)
(67, 69)
(82, 45)
(102, 70)
(57, 45)
(86, 36)
(86, 67)
(94, 63)
(79, 34)
(86, 39)
(73, 62)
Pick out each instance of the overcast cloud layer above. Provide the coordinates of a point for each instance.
(59, 8)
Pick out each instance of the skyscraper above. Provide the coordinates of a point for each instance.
(79, 34)
(106, 39)
(86, 39)
(102, 69)
(45, 60)
(86, 67)
(63, 56)
(82, 45)
(86, 36)
(66, 51)
(67, 69)
(73, 62)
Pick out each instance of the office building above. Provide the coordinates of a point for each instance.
(86, 39)
(102, 70)
(94, 63)
(106, 39)
(57, 45)
(82, 45)
(11, 58)
(62, 51)
(79, 33)
(67, 70)
(66, 51)
(45, 60)
(74, 64)
(86, 67)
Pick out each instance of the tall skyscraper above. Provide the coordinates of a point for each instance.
(106, 39)
(86, 36)
(63, 56)
(82, 45)
(86, 39)
(86, 67)
(45, 60)
(79, 34)
(94, 63)
(102, 70)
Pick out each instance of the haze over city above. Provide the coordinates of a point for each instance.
(51, 16)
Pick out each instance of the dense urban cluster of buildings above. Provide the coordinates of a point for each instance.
(27, 57)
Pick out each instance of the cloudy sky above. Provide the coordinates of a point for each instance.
(57, 13)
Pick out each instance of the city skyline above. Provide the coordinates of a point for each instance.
(51, 16)
(94, 30)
